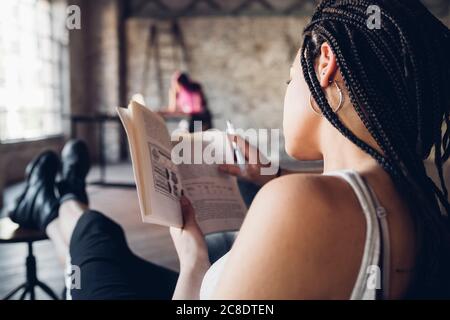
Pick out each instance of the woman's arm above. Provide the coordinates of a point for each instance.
(192, 252)
(189, 283)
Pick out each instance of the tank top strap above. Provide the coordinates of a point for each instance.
(370, 284)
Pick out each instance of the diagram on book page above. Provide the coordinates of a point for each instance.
(165, 176)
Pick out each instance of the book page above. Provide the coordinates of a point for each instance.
(160, 177)
(215, 196)
(126, 118)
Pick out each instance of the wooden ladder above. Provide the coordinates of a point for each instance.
(166, 53)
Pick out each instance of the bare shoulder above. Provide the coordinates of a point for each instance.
(304, 194)
(309, 204)
(299, 222)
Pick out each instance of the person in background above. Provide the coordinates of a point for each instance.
(187, 97)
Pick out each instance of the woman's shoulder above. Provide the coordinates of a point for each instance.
(299, 222)
(316, 192)
(301, 206)
(310, 201)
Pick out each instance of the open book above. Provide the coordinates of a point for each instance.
(159, 181)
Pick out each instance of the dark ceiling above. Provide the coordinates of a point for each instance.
(180, 8)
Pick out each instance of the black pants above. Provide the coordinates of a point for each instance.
(108, 268)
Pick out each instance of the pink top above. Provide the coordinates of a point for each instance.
(189, 102)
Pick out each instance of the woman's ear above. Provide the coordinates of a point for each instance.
(327, 65)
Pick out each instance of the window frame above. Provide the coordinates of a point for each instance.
(59, 70)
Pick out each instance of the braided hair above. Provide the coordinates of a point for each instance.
(398, 79)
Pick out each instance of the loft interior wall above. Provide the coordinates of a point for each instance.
(242, 62)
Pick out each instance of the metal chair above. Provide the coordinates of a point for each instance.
(11, 232)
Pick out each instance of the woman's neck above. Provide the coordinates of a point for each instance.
(339, 153)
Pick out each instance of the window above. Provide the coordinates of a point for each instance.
(34, 77)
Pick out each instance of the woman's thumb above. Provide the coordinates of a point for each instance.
(188, 210)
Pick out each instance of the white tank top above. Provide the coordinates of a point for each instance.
(373, 277)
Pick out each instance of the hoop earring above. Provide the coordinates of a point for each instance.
(341, 100)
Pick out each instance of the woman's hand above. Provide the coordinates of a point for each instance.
(252, 170)
(192, 252)
(189, 241)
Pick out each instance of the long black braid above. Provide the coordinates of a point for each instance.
(398, 79)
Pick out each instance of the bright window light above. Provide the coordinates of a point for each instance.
(33, 68)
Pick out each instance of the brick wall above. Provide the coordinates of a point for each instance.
(243, 64)
(94, 74)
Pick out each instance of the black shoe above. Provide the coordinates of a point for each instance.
(38, 205)
(75, 167)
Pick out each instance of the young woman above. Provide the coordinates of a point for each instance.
(372, 104)
(187, 97)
